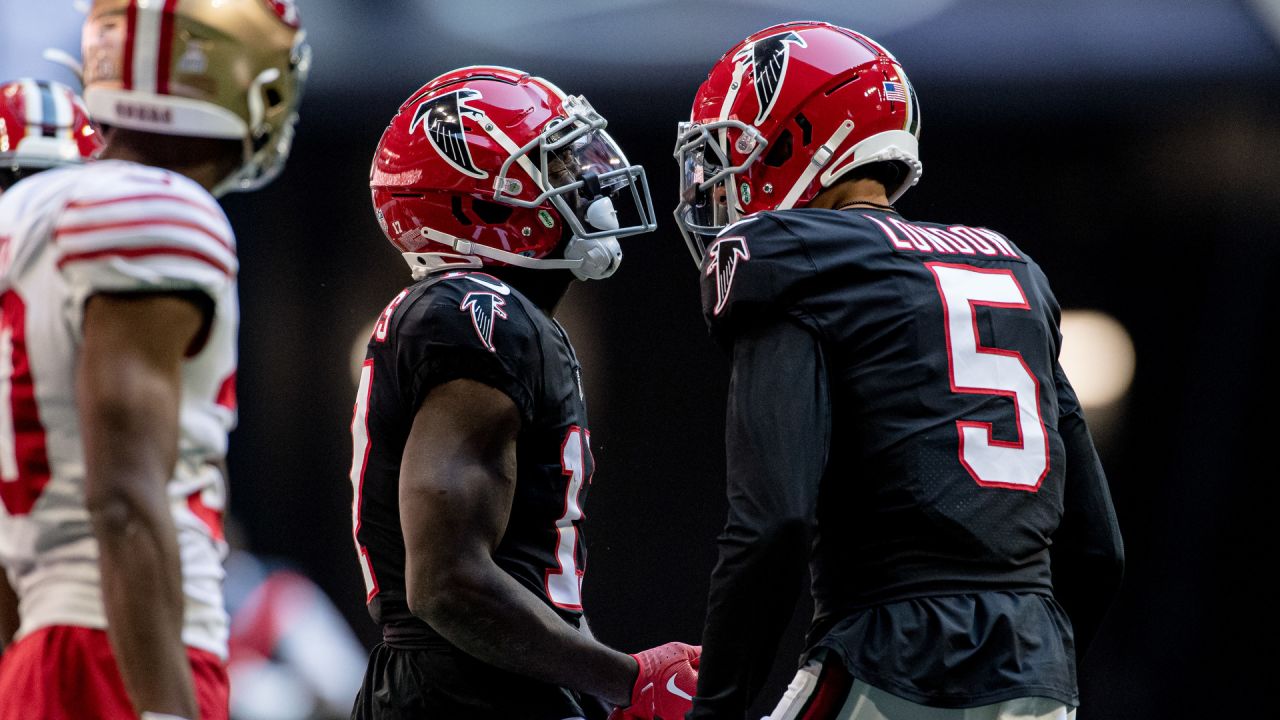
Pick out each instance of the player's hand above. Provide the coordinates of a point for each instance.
(665, 684)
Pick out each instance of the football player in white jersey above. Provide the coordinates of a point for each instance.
(42, 125)
(118, 358)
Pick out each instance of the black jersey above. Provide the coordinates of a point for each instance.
(912, 418)
(471, 325)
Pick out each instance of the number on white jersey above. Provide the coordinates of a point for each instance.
(24, 463)
(977, 369)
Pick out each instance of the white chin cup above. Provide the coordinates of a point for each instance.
(600, 257)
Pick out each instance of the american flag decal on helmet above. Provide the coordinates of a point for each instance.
(901, 91)
(768, 58)
(724, 256)
(441, 116)
(485, 308)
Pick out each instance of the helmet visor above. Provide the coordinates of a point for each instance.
(578, 165)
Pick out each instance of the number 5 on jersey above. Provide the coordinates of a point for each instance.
(976, 369)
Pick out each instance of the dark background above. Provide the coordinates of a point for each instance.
(1133, 148)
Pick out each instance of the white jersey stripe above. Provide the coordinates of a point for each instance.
(143, 252)
(86, 234)
(148, 197)
(146, 45)
(158, 236)
(146, 210)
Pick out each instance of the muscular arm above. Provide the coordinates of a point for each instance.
(8, 611)
(457, 481)
(128, 390)
(1087, 555)
(777, 436)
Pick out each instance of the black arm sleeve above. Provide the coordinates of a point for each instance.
(1087, 555)
(777, 437)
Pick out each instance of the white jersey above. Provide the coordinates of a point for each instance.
(65, 235)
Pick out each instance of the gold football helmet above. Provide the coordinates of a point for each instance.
(230, 69)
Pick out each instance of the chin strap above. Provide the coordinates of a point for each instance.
(821, 158)
(586, 259)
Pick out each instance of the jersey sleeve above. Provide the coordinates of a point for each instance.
(754, 271)
(777, 436)
(1087, 554)
(142, 230)
(456, 332)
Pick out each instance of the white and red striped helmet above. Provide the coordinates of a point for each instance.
(230, 69)
(42, 125)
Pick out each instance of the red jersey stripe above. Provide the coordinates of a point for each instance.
(143, 252)
(81, 204)
(149, 222)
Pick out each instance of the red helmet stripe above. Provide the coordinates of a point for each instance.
(164, 60)
(130, 32)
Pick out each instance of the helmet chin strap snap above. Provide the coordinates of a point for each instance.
(600, 256)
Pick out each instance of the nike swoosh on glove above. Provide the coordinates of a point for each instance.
(665, 684)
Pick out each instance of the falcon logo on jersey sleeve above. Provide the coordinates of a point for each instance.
(442, 118)
(768, 58)
(725, 254)
(485, 309)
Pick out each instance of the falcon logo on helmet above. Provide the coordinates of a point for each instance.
(768, 58)
(725, 255)
(485, 308)
(442, 118)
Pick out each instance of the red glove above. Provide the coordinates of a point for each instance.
(665, 685)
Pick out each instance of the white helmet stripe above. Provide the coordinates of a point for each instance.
(33, 102)
(62, 110)
(146, 44)
(504, 140)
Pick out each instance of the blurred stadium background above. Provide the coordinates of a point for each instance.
(1131, 146)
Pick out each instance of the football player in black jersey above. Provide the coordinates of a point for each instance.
(472, 455)
(897, 415)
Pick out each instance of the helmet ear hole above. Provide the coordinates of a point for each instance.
(455, 206)
(489, 212)
(806, 130)
(780, 152)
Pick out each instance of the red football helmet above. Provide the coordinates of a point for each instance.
(42, 125)
(489, 165)
(785, 113)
